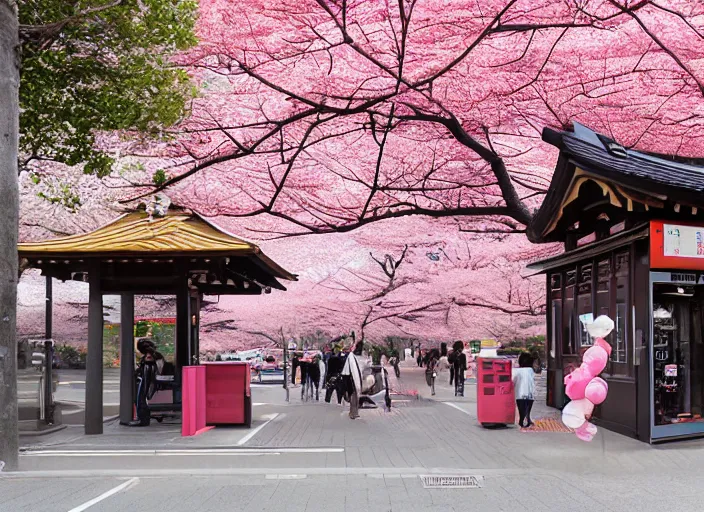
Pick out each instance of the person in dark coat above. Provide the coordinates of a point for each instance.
(295, 361)
(305, 366)
(313, 377)
(460, 366)
(333, 377)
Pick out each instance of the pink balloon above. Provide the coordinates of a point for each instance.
(596, 390)
(601, 342)
(576, 383)
(586, 431)
(595, 360)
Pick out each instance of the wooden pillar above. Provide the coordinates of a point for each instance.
(183, 327)
(126, 357)
(94, 359)
(48, 353)
(195, 327)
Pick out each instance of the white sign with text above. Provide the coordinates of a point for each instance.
(683, 241)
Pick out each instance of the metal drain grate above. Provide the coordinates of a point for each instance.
(452, 481)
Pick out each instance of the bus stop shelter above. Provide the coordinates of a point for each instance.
(180, 254)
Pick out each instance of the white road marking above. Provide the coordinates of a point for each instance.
(176, 452)
(256, 430)
(457, 407)
(285, 477)
(105, 495)
(128, 453)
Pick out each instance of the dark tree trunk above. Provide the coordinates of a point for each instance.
(9, 192)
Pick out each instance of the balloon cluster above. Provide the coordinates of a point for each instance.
(583, 385)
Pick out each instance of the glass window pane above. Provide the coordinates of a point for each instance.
(585, 310)
(556, 286)
(622, 264)
(556, 331)
(618, 353)
(568, 314)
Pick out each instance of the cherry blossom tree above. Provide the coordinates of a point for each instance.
(401, 297)
(396, 122)
(329, 115)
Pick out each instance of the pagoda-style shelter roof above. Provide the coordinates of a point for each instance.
(179, 253)
(599, 184)
(136, 247)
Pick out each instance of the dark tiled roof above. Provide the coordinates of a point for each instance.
(600, 156)
(586, 146)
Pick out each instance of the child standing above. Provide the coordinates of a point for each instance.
(524, 385)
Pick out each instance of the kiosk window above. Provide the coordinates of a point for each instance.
(556, 313)
(585, 310)
(678, 380)
(568, 313)
(619, 336)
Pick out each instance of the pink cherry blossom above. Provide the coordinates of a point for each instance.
(386, 124)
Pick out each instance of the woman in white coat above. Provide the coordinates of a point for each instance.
(352, 373)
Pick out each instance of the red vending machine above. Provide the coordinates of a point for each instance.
(495, 400)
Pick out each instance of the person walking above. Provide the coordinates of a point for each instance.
(333, 376)
(419, 359)
(460, 366)
(443, 364)
(295, 361)
(431, 370)
(305, 365)
(352, 372)
(394, 361)
(524, 386)
(314, 377)
(322, 368)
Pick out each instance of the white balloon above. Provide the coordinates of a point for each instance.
(601, 327)
(574, 414)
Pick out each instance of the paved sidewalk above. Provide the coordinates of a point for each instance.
(312, 457)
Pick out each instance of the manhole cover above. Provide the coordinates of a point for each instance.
(452, 481)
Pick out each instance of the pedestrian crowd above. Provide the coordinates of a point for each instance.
(340, 370)
(437, 361)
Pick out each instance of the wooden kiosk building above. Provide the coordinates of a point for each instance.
(180, 254)
(632, 225)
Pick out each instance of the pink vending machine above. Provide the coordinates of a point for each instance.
(495, 399)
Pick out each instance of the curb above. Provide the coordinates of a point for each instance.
(39, 433)
(369, 472)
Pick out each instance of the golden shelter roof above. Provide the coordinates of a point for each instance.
(136, 234)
